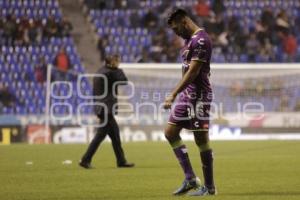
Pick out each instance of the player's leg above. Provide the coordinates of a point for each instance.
(172, 134)
(206, 155)
(114, 134)
(101, 133)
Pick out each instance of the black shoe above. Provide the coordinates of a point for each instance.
(85, 165)
(126, 165)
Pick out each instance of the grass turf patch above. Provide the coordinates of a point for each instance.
(243, 170)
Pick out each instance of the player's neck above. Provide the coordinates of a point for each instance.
(195, 29)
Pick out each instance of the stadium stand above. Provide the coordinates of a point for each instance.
(238, 28)
(23, 61)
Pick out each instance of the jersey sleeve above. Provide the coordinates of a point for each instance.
(199, 49)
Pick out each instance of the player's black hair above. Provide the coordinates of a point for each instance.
(176, 15)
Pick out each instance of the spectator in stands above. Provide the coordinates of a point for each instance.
(160, 38)
(22, 26)
(289, 43)
(261, 32)
(252, 46)
(172, 49)
(236, 88)
(297, 23)
(62, 61)
(297, 106)
(236, 36)
(265, 53)
(20, 36)
(249, 87)
(156, 53)
(202, 8)
(172, 54)
(260, 88)
(150, 20)
(64, 28)
(51, 28)
(144, 58)
(215, 25)
(219, 27)
(276, 87)
(40, 70)
(233, 25)
(284, 104)
(159, 43)
(218, 7)
(10, 29)
(220, 42)
(6, 97)
(33, 33)
(282, 21)
(267, 19)
(23, 22)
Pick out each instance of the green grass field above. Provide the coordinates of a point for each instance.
(243, 170)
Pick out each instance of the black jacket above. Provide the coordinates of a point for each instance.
(7, 98)
(100, 88)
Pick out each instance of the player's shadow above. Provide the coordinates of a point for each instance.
(263, 193)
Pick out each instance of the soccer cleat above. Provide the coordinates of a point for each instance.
(203, 191)
(85, 165)
(188, 185)
(125, 165)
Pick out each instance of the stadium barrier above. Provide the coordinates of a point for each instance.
(251, 101)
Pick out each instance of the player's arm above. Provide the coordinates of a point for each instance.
(188, 77)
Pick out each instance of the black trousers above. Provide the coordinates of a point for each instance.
(112, 130)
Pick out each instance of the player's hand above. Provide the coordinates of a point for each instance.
(168, 101)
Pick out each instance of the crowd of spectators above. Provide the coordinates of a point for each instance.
(259, 43)
(25, 31)
(28, 32)
(270, 38)
(265, 87)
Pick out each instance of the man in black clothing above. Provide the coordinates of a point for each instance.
(113, 75)
(7, 98)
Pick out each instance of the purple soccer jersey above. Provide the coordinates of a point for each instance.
(198, 48)
(191, 110)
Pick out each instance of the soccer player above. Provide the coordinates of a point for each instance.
(192, 106)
